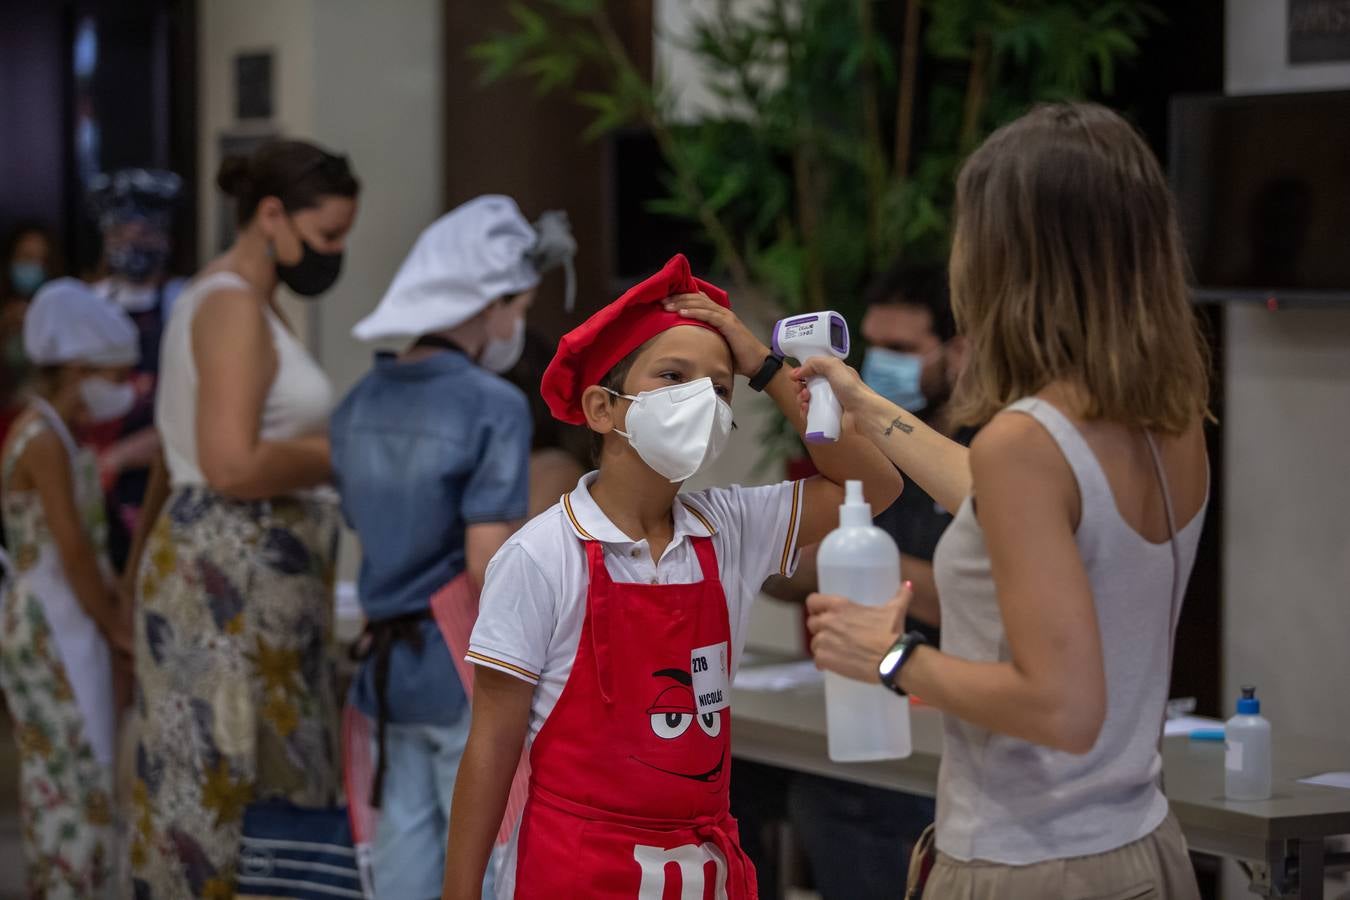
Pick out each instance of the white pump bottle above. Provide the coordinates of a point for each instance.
(860, 561)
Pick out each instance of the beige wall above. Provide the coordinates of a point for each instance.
(378, 71)
(227, 28)
(1287, 538)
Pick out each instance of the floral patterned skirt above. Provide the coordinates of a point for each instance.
(235, 686)
(64, 791)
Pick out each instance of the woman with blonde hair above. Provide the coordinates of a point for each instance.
(1080, 507)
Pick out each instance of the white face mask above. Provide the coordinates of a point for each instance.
(500, 354)
(105, 400)
(679, 429)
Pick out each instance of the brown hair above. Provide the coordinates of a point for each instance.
(1067, 265)
(296, 172)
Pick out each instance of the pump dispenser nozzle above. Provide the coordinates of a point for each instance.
(856, 511)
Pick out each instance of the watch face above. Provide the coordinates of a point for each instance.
(891, 660)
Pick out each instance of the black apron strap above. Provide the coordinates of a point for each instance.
(377, 645)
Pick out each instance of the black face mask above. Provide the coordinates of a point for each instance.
(313, 274)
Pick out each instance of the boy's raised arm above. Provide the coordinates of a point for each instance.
(853, 456)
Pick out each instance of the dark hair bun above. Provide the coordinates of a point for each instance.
(234, 177)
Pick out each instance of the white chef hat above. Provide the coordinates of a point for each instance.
(474, 254)
(68, 323)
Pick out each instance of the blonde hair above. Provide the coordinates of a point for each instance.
(1067, 265)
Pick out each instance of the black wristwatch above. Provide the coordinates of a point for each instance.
(896, 657)
(772, 363)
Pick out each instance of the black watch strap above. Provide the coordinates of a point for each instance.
(772, 363)
(896, 657)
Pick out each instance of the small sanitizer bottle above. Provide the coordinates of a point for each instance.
(1247, 751)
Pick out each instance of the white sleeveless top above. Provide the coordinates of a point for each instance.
(1010, 801)
(298, 402)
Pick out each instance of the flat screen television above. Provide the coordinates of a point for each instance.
(1263, 189)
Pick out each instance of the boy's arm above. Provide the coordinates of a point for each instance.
(853, 456)
(501, 718)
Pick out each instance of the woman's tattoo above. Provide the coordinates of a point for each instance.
(907, 429)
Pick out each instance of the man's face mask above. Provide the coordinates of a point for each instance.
(678, 430)
(26, 277)
(896, 376)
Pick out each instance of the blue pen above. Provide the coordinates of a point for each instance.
(1207, 734)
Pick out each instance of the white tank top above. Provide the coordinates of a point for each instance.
(298, 401)
(1010, 801)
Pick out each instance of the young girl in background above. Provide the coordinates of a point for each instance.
(60, 626)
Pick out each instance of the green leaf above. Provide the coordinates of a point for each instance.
(552, 72)
(533, 26)
(499, 57)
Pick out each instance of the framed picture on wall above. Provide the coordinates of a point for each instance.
(1319, 31)
(241, 143)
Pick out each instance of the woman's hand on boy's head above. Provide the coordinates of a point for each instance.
(747, 351)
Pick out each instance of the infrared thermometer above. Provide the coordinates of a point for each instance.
(806, 336)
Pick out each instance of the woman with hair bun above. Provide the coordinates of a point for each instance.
(235, 689)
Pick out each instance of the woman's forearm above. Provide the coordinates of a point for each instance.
(135, 451)
(931, 460)
(998, 697)
(273, 468)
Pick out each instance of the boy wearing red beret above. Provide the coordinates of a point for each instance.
(610, 626)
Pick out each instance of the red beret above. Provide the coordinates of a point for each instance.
(587, 353)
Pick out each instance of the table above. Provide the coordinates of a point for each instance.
(1282, 839)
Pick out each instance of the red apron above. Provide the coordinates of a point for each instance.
(626, 777)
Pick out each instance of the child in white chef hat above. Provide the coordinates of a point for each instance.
(431, 458)
(65, 641)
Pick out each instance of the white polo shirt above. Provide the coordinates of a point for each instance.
(534, 596)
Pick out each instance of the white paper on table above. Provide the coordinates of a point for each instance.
(1329, 779)
(779, 677)
(1184, 725)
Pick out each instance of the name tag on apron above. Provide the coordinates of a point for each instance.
(712, 681)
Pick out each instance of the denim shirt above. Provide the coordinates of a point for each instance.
(421, 451)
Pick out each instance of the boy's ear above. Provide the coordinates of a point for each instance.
(598, 406)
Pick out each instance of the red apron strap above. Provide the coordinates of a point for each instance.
(597, 600)
(707, 558)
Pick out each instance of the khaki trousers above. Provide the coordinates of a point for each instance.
(1155, 867)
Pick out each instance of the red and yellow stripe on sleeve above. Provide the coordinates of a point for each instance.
(790, 539)
(501, 665)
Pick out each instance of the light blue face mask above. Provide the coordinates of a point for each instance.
(26, 277)
(895, 376)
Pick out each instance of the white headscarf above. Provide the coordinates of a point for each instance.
(68, 323)
(476, 253)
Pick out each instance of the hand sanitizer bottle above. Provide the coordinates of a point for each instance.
(1247, 751)
(860, 561)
